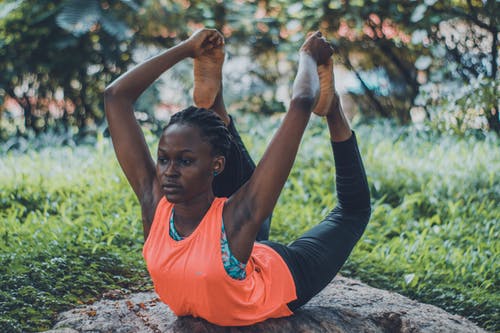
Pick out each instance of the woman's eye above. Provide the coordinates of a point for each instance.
(186, 162)
(162, 160)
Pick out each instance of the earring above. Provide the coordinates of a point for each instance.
(215, 173)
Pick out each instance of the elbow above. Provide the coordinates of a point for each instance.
(115, 92)
(109, 92)
(114, 99)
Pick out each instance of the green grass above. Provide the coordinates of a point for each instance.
(70, 226)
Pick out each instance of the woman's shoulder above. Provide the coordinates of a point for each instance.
(217, 206)
(154, 212)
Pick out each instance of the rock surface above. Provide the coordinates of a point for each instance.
(344, 306)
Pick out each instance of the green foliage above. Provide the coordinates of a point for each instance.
(69, 230)
(57, 76)
(36, 285)
(57, 56)
(434, 230)
(70, 225)
(458, 109)
(436, 212)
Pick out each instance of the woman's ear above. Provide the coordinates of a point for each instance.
(219, 163)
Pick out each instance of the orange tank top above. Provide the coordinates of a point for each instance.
(189, 276)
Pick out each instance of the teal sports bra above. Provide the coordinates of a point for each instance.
(234, 268)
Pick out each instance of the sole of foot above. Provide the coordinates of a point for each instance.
(326, 89)
(207, 78)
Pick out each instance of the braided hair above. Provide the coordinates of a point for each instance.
(212, 128)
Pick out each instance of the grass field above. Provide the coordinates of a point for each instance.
(70, 226)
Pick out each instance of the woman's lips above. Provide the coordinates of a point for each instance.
(171, 187)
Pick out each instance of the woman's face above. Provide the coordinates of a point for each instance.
(185, 164)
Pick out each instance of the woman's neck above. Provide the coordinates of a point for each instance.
(188, 215)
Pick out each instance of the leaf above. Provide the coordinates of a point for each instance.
(8, 7)
(418, 13)
(79, 16)
(131, 4)
(409, 278)
(67, 42)
(423, 62)
(295, 8)
(115, 27)
(418, 36)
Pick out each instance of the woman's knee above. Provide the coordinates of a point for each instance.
(356, 217)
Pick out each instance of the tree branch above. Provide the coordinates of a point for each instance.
(494, 56)
(406, 73)
(381, 110)
(385, 46)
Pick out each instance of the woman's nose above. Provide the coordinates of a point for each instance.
(171, 169)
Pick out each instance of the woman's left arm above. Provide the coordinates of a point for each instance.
(253, 202)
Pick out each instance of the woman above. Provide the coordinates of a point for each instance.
(200, 249)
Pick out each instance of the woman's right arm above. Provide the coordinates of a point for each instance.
(245, 210)
(128, 140)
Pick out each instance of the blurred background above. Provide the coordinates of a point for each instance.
(418, 79)
(429, 63)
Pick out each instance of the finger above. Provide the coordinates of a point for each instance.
(208, 47)
(212, 36)
(215, 41)
(218, 40)
(206, 43)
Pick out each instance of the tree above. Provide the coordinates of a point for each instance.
(72, 48)
(393, 47)
(465, 49)
(55, 73)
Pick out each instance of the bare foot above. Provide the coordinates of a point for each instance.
(326, 89)
(321, 51)
(208, 76)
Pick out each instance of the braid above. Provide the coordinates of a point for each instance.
(212, 128)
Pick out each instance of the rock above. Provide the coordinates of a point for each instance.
(345, 305)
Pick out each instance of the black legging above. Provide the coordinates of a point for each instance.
(316, 257)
